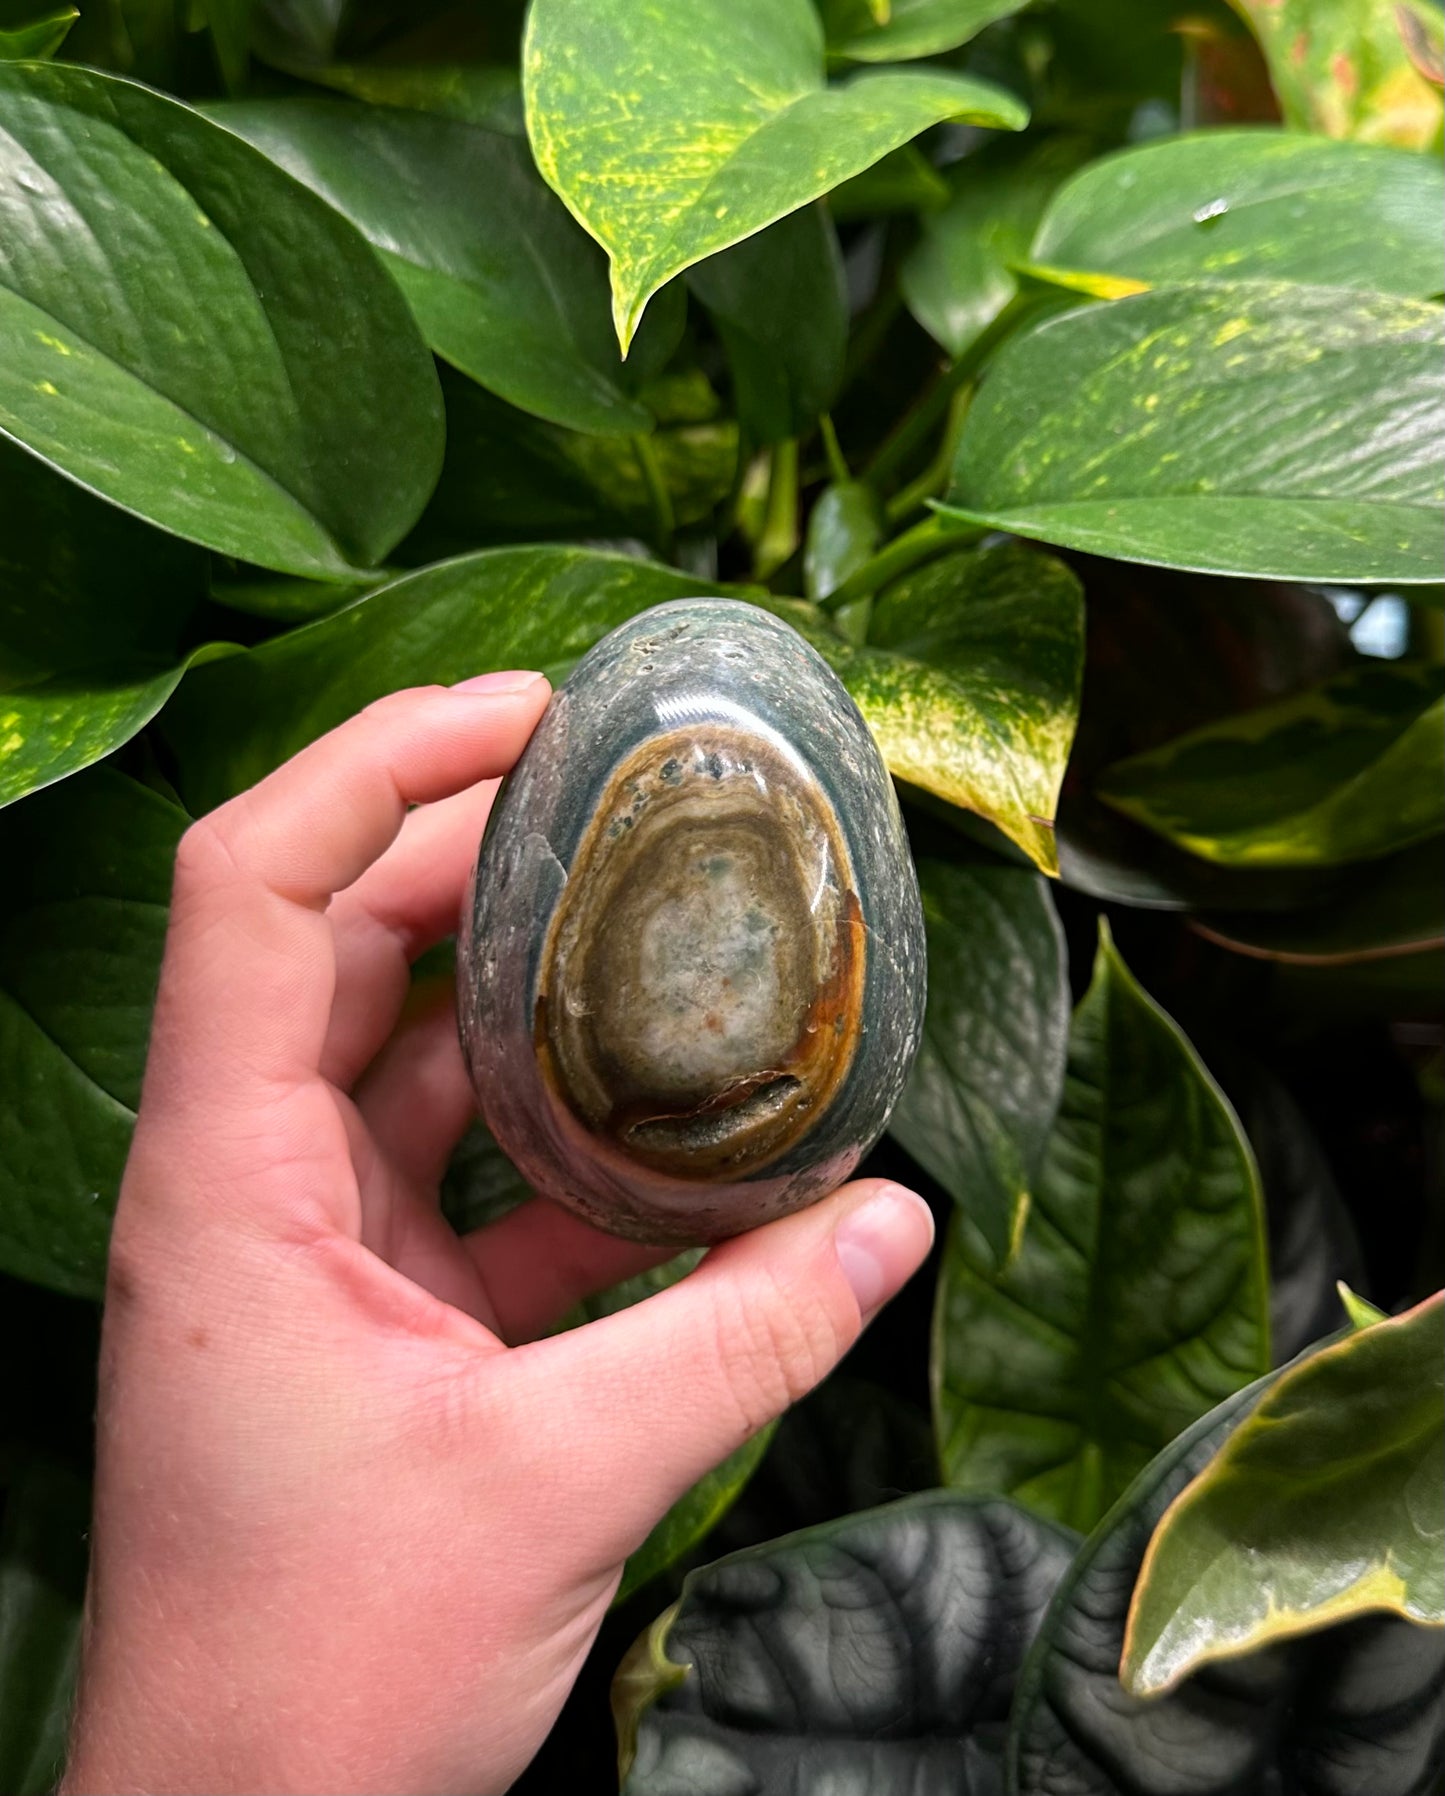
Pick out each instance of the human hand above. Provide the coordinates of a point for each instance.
(356, 1525)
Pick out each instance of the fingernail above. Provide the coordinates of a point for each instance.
(498, 682)
(882, 1244)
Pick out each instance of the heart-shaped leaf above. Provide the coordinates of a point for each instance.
(1346, 70)
(970, 683)
(37, 37)
(874, 1654)
(44, 1517)
(204, 343)
(1232, 204)
(780, 307)
(503, 283)
(981, 1100)
(1138, 1295)
(859, 32)
(1356, 1709)
(1328, 1501)
(82, 926)
(672, 133)
(1344, 772)
(1284, 431)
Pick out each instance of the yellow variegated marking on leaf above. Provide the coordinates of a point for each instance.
(1083, 280)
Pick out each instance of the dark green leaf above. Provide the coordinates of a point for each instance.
(1344, 772)
(206, 344)
(1344, 67)
(904, 181)
(82, 925)
(1139, 1294)
(44, 1517)
(845, 526)
(1256, 204)
(230, 23)
(480, 1183)
(907, 28)
(1241, 427)
(1358, 1709)
(970, 683)
(234, 721)
(289, 600)
(779, 305)
(503, 283)
(40, 36)
(1383, 909)
(641, 118)
(958, 277)
(1326, 1502)
(977, 1110)
(694, 1515)
(874, 1654)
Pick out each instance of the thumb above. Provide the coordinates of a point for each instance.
(665, 1390)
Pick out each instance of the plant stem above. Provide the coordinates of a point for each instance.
(925, 541)
(664, 523)
(779, 535)
(931, 482)
(837, 461)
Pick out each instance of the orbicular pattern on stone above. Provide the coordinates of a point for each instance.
(691, 962)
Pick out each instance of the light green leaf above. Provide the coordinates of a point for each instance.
(202, 341)
(1284, 431)
(845, 526)
(235, 720)
(1361, 1312)
(82, 925)
(959, 276)
(39, 37)
(781, 309)
(503, 283)
(1343, 772)
(970, 684)
(908, 28)
(44, 1520)
(1343, 67)
(981, 1100)
(1327, 1502)
(904, 181)
(672, 133)
(1139, 1294)
(1256, 204)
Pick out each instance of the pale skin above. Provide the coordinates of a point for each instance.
(358, 1517)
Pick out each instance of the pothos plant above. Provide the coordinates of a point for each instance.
(1070, 375)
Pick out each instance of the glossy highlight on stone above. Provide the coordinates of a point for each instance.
(691, 963)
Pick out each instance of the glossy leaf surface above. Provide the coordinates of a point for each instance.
(1283, 431)
(1327, 1502)
(206, 344)
(1138, 1295)
(674, 134)
(907, 28)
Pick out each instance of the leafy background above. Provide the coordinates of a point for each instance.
(1069, 374)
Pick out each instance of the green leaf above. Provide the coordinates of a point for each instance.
(1283, 431)
(958, 277)
(1256, 204)
(1384, 909)
(44, 1520)
(1358, 1709)
(874, 1654)
(694, 1515)
(1344, 772)
(780, 307)
(475, 93)
(480, 1184)
(235, 720)
(1343, 67)
(230, 25)
(908, 28)
(970, 683)
(92, 603)
(205, 343)
(502, 282)
(1326, 1502)
(845, 527)
(39, 37)
(981, 1100)
(904, 181)
(1139, 1293)
(82, 926)
(1361, 1312)
(672, 133)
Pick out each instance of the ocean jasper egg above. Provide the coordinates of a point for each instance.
(691, 962)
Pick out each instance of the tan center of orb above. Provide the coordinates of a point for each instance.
(701, 988)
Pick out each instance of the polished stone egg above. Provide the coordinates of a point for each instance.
(691, 961)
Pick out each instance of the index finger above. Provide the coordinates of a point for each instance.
(250, 963)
